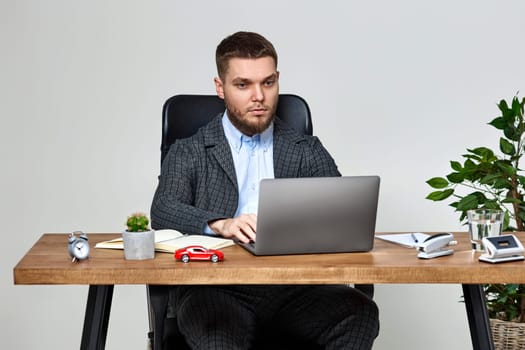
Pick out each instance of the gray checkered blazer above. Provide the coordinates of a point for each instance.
(198, 182)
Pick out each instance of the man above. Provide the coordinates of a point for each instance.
(209, 185)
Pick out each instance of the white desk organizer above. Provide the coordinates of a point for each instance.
(501, 249)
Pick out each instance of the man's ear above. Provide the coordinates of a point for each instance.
(219, 87)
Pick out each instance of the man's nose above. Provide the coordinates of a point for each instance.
(258, 93)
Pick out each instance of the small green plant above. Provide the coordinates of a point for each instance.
(137, 222)
(493, 181)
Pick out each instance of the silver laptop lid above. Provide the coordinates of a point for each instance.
(316, 215)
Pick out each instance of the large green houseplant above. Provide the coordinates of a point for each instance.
(490, 180)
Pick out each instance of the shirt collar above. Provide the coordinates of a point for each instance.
(235, 137)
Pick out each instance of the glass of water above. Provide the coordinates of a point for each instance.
(483, 223)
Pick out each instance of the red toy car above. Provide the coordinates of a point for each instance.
(197, 252)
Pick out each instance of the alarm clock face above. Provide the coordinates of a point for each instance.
(78, 246)
(81, 249)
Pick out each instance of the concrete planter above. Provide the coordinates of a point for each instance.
(139, 245)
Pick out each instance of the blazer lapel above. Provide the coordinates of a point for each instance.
(286, 152)
(216, 142)
(222, 154)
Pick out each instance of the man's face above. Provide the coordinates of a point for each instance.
(250, 91)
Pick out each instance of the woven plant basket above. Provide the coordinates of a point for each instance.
(508, 335)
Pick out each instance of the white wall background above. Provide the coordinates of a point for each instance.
(397, 88)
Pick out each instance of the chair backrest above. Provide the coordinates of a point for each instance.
(183, 115)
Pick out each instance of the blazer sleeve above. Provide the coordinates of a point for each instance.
(174, 203)
(319, 161)
(297, 155)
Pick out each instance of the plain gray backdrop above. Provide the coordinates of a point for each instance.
(396, 88)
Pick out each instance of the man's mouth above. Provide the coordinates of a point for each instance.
(258, 110)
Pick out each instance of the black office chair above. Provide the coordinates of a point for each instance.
(182, 116)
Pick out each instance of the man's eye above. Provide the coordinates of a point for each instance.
(269, 82)
(241, 85)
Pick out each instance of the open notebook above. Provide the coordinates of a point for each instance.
(168, 241)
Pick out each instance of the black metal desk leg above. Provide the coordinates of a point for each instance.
(97, 317)
(478, 318)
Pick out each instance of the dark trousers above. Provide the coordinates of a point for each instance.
(228, 317)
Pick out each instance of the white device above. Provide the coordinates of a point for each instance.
(436, 245)
(501, 249)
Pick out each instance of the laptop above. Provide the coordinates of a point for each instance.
(316, 215)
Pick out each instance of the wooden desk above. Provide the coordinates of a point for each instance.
(48, 262)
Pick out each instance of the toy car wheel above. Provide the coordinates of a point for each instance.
(214, 258)
(185, 258)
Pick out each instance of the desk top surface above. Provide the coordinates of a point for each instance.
(48, 262)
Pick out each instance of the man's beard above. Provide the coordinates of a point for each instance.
(245, 125)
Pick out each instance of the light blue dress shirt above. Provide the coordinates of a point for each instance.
(253, 161)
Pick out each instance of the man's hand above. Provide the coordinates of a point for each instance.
(241, 227)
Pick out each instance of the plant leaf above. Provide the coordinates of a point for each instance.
(521, 180)
(511, 200)
(499, 123)
(506, 221)
(483, 152)
(506, 147)
(503, 107)
(511, 133)
(516, 107)
(455, 178)
(501, 183)
(508, 169)
(469, 164)
(489, 179)
(455, 165)
(437, 182)
(492, 204)
(440, 195)
(468, 202)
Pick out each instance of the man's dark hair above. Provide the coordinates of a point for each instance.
(242, 45)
